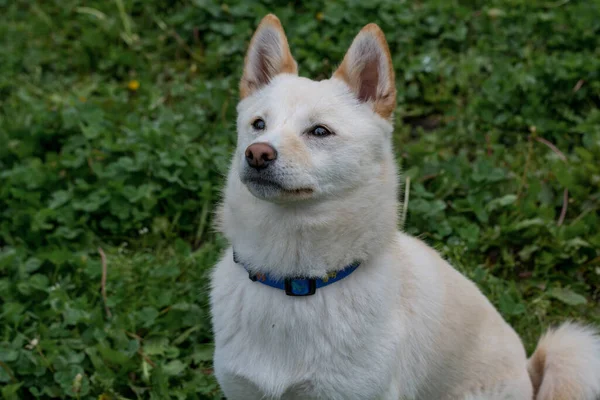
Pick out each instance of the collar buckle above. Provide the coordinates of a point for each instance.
(300, 287)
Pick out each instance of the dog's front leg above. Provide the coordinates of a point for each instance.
(392, 393)
(517, 390)
(238, 388)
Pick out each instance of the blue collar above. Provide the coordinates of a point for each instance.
(299, 286)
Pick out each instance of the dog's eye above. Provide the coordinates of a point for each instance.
(320, 131)
(258, 124)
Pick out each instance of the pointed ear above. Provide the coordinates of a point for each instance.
(367, 69)
(268, 55)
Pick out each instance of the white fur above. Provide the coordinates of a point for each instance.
(404, 325)
(569, 359)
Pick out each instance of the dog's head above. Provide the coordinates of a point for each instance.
(300, 139)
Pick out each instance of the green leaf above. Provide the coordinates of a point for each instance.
(567, 296)
(147, 315)
(72, 315)
(156, 346)
(181, 338)
(9, 392)
(174, 367)
(32, 264)
(7, 354)
(7, 256)
(112, 356)
(528, 223)
(203, 352)
(501, 202)
(59, 198)
(509, 306)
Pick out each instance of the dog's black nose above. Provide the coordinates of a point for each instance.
(260, 155)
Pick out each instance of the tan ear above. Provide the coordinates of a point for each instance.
(367, 68)
(268, 55)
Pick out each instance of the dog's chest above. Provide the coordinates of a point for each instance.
(335, 344)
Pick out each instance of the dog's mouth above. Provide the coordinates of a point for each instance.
(267, 185)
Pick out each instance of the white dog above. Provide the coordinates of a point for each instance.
(339, 304)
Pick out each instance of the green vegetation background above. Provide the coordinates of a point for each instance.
(116, 128)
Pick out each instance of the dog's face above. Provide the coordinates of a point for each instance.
(300, 139)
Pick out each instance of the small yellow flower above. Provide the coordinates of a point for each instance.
(133, 85)
(82, 99)
(320, 16)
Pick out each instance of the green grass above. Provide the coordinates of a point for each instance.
(497, 119)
